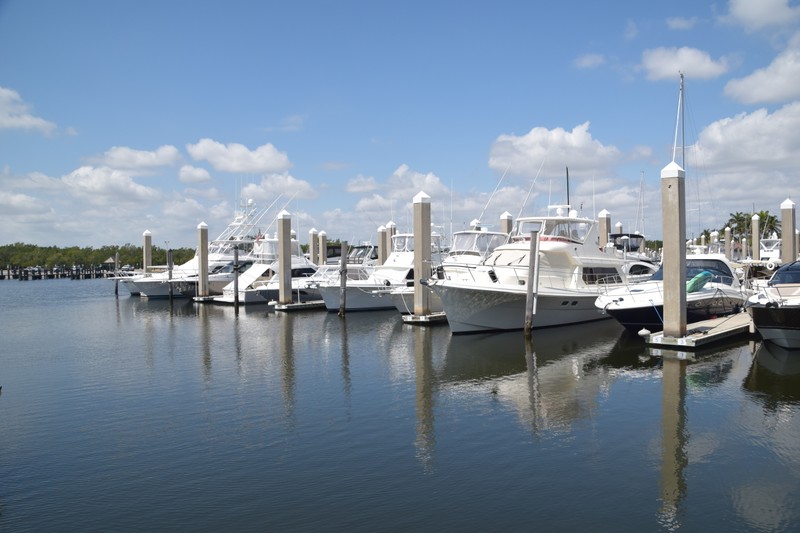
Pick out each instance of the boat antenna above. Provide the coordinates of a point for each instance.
(480, 218)
(567, 185)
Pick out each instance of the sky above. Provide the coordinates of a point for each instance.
(120, 117)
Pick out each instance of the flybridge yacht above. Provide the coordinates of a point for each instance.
(573, 271)
(260, 283)
(241, 233)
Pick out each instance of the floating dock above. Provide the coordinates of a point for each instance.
(433, 318)
(298, 306)
(705, 332)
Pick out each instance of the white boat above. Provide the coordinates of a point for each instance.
(713, 289)
(240, 233)
(775, 308)
(260, 282)
(361, 261)
(573, 271)
(469, 248)
(372, 293)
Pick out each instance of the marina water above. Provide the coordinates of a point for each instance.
(121, 414)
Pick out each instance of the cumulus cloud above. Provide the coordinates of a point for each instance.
(589, 61)
(555, 148)
(755, 15)
(235, 157)
(190, 174)
(777, 82)
(666, 63)
(122, 157)
(15, 114)
(680, 23)
(405, 183)
(753, 141)
(361, 184)
(279, 184)
(20, 204)
(106, 186)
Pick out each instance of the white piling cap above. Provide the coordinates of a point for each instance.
(422, 198)
(284, 214)
(146, 233)
(202, 225)
(604, 213)
(787, 204)
(673, 170)
(313, 230)
(756, 217)
(505, 215)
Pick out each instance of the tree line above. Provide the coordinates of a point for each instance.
(30, 255)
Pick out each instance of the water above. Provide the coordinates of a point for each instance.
(123, 414)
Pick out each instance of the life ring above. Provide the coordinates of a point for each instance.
(770, 265)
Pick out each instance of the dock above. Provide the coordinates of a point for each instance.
(704, 332)
(433, 318)
(298, 306)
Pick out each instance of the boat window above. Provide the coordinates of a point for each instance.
(527, 226)
(566, 229)
(595, 275)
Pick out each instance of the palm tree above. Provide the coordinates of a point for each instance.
(768, 223)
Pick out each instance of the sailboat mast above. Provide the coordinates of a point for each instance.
(568, 186)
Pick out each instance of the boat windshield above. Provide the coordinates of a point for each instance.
(720, 271)
(786, 274)
(566, 229)
(479, 242)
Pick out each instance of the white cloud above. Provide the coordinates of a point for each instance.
(778, 82)
(291, 123)
(751, 142)
(20, 204)
(556, 149)
(277, 184)
(405, 183)
(666, 63)
(15, 114)
(190, 174)
(122, 157)
(106, 186)
(755, 15)
(361, 184)
(680, 23)
(589, 61)
(235, 157)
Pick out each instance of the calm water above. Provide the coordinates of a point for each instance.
(124, 414)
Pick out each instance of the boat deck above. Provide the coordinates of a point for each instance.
(705, 332)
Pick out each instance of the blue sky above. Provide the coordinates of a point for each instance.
(120, 117)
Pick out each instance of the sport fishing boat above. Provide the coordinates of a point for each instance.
(373, 292)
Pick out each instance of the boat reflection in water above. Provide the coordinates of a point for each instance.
(775, 374)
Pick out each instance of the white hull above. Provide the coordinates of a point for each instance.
(403, 299)
(360, 297)
(471, 310)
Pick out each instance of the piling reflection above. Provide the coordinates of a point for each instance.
(674, 438)
(286, 336)
(425, 441)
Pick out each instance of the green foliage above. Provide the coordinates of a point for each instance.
(28, 255)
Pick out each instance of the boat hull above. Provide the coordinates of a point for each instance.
(471, 310)
(650, 317)
(777, 324)
(359, 297)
